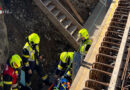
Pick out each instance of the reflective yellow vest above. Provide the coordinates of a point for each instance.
(84, 45)
(31, 51)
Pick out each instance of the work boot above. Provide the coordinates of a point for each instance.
(28, 86)
(47, 82)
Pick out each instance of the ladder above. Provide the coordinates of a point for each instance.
(62, 19)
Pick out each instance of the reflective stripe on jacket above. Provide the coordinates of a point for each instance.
(66, 63)
(32, 52)
(11, 72)
(84, 46)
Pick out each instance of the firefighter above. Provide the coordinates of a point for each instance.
(11, 73)
(65, 65)
(32, 58)
(85, 41)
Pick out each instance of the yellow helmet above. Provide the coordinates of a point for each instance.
(15, 61)
(83, 33)
(34, 38)
(63, 57)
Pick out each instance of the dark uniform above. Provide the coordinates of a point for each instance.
(86, 42)
(31, 61)
(11, 73)
(65, 65)
(85, 45)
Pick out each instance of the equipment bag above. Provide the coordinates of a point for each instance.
(22, 78)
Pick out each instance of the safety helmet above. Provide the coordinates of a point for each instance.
(15, 61)
(34, 38)
(83, 33)
(63, 56)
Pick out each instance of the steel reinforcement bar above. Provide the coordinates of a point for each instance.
(125, 81)
(106, 69)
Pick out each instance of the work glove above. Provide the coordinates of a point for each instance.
(29, 71)
(56, 77)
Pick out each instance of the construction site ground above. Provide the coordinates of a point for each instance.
(26, 18)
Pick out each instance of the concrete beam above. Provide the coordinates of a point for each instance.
(83, 73)
(116, 71)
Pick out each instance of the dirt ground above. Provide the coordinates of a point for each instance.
(83, 7)
(27, 18)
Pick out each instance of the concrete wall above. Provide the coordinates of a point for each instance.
(95, 19)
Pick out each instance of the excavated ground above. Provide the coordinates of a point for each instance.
(83, 7)
(26, 18)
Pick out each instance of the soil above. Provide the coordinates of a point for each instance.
(27, 18)
(83, 7)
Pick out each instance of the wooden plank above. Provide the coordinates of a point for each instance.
(83, 73)
(74, 11)
(113, 81)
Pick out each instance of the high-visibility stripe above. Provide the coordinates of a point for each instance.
(28, 84)
(63, 86)
(82, 48)
(84, 45)
(44, 77)
(37, 62)
(1, 83)
(60, 67)
(16, 72)
(31, 52)
(26, 64)
(15, 89)
(69, 73)
(26, 56)
(7, 82)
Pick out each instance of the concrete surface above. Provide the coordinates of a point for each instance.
(96, 18)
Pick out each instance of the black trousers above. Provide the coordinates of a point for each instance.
(34, 66)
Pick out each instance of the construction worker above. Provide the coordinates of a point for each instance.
(85, 41)
(31, 59)
(11, 73)
(65, 65)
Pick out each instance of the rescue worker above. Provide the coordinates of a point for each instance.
(85, 41)
(65, 65)
(11, 73)
(31, 59)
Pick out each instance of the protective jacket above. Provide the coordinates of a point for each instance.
(30, 55)
(66, 59)
(31, 61)
(10, 77)
(85, 45)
